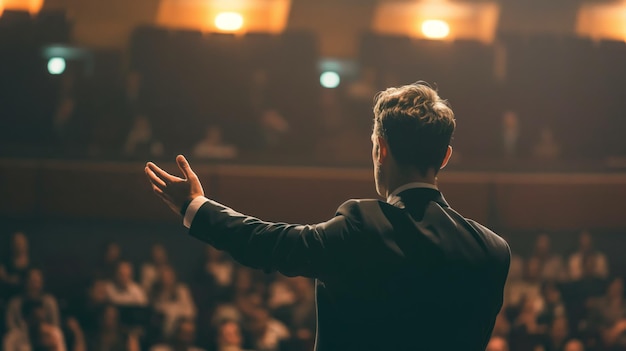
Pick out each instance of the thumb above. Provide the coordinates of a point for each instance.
(184, 167)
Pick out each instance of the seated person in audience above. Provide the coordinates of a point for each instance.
(37, 333)
(150, 269)
(33, 291)
(587, 251)
(497, 343)
(552, 267)
(266, 332)
(526, 290)
(609, 315)
(183, 340)
(526, 333)
(229, 337)
(110, 336)
(171, 299)
(140, 141)
(109, 260)
(553, 306)
(14, 268)
(122, 290)
(212, 146)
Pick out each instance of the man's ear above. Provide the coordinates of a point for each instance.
(383, 150)
(447, 157)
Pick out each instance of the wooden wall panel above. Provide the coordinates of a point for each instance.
(307, 195)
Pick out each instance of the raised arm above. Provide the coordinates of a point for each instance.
(294, 250)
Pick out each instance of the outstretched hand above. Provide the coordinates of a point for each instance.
(173, 190)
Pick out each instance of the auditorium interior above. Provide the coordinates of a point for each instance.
(271, 102)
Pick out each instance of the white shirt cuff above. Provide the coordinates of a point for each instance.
(192, 209)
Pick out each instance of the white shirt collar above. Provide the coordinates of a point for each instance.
(390, 198)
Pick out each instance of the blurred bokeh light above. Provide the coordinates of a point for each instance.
(435, 29)
(56, 65)
(330, 80)
(229, 21)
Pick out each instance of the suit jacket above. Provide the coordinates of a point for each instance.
(411, 274)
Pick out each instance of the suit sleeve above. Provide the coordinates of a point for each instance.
(294, 250)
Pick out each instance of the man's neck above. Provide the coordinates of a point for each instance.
(402, 181)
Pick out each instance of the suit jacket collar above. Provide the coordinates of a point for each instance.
(410, 186)
(411, 194)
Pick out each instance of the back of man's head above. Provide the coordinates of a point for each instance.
(417, 125)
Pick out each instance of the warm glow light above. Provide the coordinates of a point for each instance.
(229, 21)
(435, 29)
(602, 21)
(32, 6)
(56, 65)
(330, 80)
(474, 20)
(257, 16)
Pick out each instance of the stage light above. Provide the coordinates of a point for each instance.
(229, 21)
(435, 29)
(330, 80)
(56, 65)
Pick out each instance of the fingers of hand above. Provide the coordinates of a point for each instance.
(184, 167)
(161, 174)
(154, 179)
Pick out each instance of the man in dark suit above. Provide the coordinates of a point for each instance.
(408, 273)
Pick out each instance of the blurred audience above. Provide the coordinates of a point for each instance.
(228, 307)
